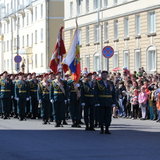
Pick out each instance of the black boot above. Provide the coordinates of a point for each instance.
(102, 130)
(107, 130)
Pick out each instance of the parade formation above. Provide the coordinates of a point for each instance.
(96, 98)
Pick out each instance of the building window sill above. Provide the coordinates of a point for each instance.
(87, 44)
(151, 34)
(96, 43)
(106, 41)
(116, 40)
(137, 36)
(126, 38)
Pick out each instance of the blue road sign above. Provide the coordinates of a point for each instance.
(17, 59)
(108, 52)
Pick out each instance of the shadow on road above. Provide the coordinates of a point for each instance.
(70, 144)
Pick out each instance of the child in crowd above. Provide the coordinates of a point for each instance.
(142, 99)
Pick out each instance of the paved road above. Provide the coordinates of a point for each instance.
(30, 140)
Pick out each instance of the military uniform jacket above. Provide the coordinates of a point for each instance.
(88, 93)
(43, 91)
(6, 88)
(105, 94)
(33, 88)
(58, 90)
(21, 89)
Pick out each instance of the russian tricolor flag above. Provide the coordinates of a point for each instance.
(73, 57)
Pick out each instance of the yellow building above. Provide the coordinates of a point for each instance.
(131, 27)
(29, 28)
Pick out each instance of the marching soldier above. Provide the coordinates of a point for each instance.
(75, 107)
(21, 95)
(6, 93)
(58, 99)
(105, 97)
(88, 101)
(44, 99)
(33, 89)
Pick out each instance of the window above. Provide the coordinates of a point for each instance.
(138, 30)
(7, 45)
(71, 9)
(96, 4)
(4, 46)
(80, 37)
(41, 10)
(126, 59)
(27, 40)
(35, 13)
(22, 21)
(151, 59)
(126, 27)
(87, 6)
(137, 59)
(87, 63)
(115, 60)
(115, 2)
(96, 33)
(35, 36)
(151, 22)
(79, 7)
(41, 34)
(41, 59)
(32, 39)
(106, 31)
(96, 63)
(23, 41)
(27, 19)
(105, 3)
(87, 35)
(116, 29)
(35, 60)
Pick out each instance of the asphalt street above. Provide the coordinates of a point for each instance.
(30, 140)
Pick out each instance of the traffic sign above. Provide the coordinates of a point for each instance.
(17, 59)
(108, 52)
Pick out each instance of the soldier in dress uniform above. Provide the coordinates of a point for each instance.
(58, 98)
(105, 97)
(44, 98)
(75, 106)
(88, 101)
(28, 78)
(21, 95)
(6, 93)
(33, 89)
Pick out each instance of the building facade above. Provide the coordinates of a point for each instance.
(130, 27)
(29, 28)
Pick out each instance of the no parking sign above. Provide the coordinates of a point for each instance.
(108, 52)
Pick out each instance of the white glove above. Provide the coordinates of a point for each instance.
(51, 100)
(96, 105)
(77, 85)
(17, 99)
(68, 100)
(40, 101)
(11, 97)
(27, 99)
(83, 104)
(65, 101)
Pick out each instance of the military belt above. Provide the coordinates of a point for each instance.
(105, 96)
(58, 92)
(22, 91)
(5, 90)
(73, 91)
(33, 90)
(87, 95)
(45, 92)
